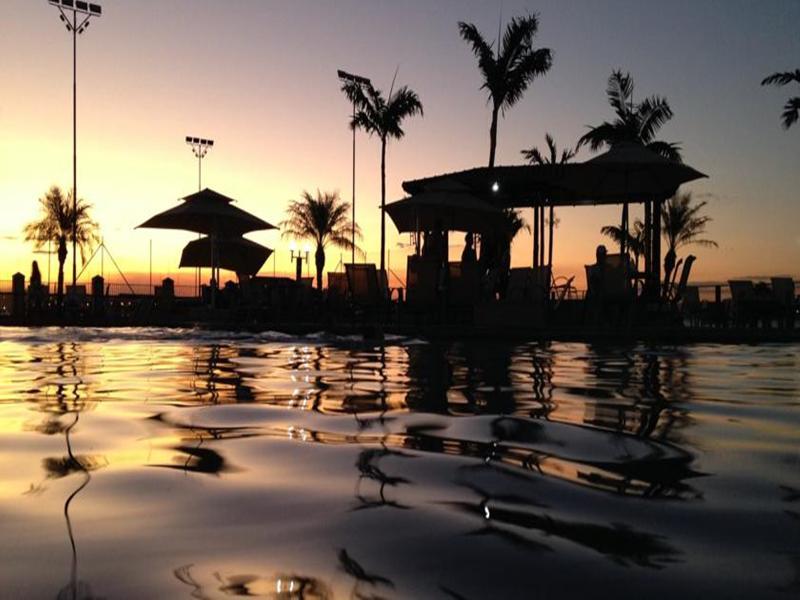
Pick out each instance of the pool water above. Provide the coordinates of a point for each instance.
(155, 463)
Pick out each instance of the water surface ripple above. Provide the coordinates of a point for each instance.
(154, 463)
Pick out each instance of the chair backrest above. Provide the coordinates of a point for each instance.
(741, 290)
(362, 280)
(691, 297)
(783, 290)
(463, 282)
(422, 280)
(681, 288)
(337, 283)
(519, 283)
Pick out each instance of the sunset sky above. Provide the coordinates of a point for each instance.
(259, 77)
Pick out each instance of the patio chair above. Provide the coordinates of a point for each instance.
(742, 297)
(337, 284)
(422, 281)
(677, 291)
(691, 307)
(784, 294)
(362, 281)
(528, 284)
(463, 283)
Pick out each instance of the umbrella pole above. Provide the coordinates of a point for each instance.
(535, 236)
(624, 227)
(656, 244)
(541, 235)
(648, 243)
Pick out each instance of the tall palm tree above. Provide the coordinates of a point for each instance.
(791, 110)
(382, 117)
(323, 219)
(634, 238)
(634, 122)
(682, 225)
(535, 157)
(56, 225)
(508, 72)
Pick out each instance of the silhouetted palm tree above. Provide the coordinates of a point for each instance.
(509, 72)
(682, 225)
(535, 157)
(791, 110)
(634, 238)
(324, 219)
(382, 117)
(56, 225)
(514, 223)
(636, 123)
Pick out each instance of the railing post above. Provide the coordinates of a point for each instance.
(18, 294)
(98, 295)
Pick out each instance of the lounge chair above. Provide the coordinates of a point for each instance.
(742, 297)
(463, 283)
(362, 281)
(691, 307)
(528, 284)
(784, 293)
(422, 281)
(676, 292)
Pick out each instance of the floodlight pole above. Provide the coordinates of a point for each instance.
(346, 77)
(87, 11)
(200, 147)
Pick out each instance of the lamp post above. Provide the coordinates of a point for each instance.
(76, 27)
(200, 147)
(298, 257)
(346, 77)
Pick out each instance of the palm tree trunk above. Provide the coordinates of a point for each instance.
(493, 135)
(319, 259)
(62, 258)
(383, 201)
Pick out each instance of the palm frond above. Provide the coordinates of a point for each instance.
(669, 150)
(653, 112)
(483, 51)
(619, 90)
(783, 78)
(791, 112)
(530, 65)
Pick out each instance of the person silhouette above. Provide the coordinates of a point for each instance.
(35, 289)
(468, 256)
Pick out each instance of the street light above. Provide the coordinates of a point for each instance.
(200, 147)
(298, 257)
(77, 26)
(346, 77)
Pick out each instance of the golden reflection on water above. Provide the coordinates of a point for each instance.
(535, 446)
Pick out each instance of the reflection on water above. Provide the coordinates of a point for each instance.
(206, 465)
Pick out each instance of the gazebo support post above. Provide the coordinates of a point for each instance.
(535, 236)
(656, 217)
(648, 237)
(550, 239)
(623, 245)
(541, 235)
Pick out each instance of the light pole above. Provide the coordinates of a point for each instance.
(298, 257)
(86, 11)
(200, 147)
(345, 78)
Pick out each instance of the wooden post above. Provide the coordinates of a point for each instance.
(535, 236)
(656, 216)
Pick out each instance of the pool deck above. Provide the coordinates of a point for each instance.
(506, 332)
